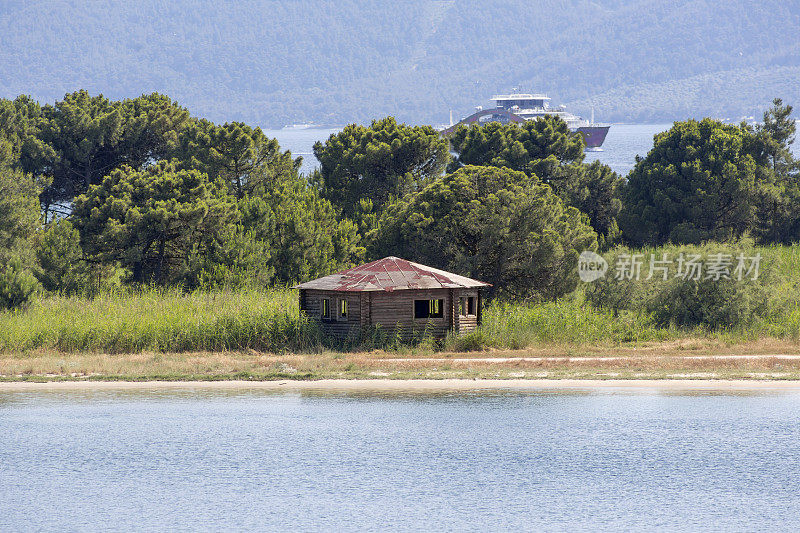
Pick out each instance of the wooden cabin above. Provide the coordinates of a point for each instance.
(399, 296)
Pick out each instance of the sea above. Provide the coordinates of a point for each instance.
(247, 460)
(623, 143)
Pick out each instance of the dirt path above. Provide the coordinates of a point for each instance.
(578, 359)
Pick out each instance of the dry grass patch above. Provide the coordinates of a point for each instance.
(655, 361)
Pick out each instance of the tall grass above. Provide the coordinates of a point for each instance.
(573, 320)
(269, 321)
(154, 320)
(569, 320)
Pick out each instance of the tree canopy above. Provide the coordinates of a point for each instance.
(522, 147)
(151, 220)
(494, 224)
(61, 264)
(697, 183)
(363, 168)
(82, 138)
(706, 180)
(19, 207)
(169, 199)
(19, 221)
(238, 154)
(545, 148)
(778, 201)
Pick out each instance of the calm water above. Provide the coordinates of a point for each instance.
(208, 460)
(301, 142)
(623, 143)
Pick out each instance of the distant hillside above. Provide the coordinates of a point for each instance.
(273, 63)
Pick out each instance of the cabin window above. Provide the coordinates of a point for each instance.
(343, 308)
(421, 309)
(429, 308)
(462, 306)
(326, 308)
(471, 305)
(436, 308)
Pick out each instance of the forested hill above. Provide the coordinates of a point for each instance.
(272, 63)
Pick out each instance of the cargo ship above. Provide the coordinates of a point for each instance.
(520, 107)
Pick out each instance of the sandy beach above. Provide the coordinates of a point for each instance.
(420, 385)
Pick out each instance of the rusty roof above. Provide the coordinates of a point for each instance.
(390, 274)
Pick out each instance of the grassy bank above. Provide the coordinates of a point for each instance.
(269, 321)
(689, 359)
(160, 321)
(259, 334)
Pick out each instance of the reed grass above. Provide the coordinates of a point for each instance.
(268, 320)
(161, 321)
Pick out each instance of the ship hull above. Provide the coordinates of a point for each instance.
(593, 136)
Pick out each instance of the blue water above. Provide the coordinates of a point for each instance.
(499, 461)
(301, 143)
(623, 143)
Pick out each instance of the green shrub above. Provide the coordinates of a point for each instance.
(17, 285)
(58, 251)
(727, 302)
(714, 304)
(469, 342)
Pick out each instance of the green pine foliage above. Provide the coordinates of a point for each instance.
(308, 236)
(705, 180)
(62, 267)
(19, 221)
(492, 224)
(778, 199)
(235, 259)
(158, 196)
(546, 149)
(241, 156)
(523, 147)
(86, 137)
(151, 220)
(136, 203)
(17, 284)
(696, 184)
(379, 163)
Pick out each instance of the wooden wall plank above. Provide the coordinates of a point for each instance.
(393, 311)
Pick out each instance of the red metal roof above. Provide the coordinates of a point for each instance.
(390, 274)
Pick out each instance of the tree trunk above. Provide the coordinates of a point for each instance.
(160, 265)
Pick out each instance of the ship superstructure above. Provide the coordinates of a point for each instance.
(520, 107)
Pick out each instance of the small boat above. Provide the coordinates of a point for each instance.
(303, 126)
(521, 107)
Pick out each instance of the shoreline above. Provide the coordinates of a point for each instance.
(417, 385)
(543, 366)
